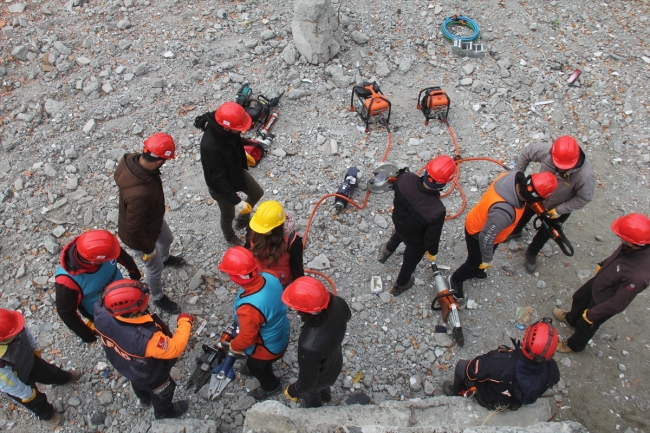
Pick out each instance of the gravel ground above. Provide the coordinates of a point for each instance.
(84, 82)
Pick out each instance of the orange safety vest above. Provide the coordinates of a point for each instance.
(477, 217)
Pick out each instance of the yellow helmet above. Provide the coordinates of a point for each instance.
(269, 215)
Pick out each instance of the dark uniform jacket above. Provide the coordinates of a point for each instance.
(224, 160)
(418, 212)
(319, 348)
(622, 276)
(142, 204)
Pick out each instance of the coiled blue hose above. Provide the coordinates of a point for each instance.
(463, 21)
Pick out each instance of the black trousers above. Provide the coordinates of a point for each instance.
(412, 256)
(254, 193)
(582, 300)
(541, 237)
(262, 369)
(46, 373)
(315, 397)
(470, 268)
(160, 397)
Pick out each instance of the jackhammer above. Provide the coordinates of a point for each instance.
(447, 303)
(553, 229)
(347, 188)
(211, 355)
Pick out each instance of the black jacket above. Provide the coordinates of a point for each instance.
(223, 158)
(418, 212)
(507, 378)
(319, 347)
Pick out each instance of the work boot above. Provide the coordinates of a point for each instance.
(326, 395)
(448, 388)
(563, 347)
(260, 394)
(167, 305)
(241, 222)
(384, 254)
(244, 370)
(56, 420)
(531, 262)
(456, 289)
(560, 315)
(174, 261)
(144, 404)
(514, 236)
(481, 275)
(234, 241)
(74, 376)
(178, 408)
(398, 290)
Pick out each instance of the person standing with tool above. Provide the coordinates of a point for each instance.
(225, 166)
(140, 345)
(494, 217)
(87, 265)
(274, 243)
(262, 319)
(576, 184)
(509, 378)
(320, 358)
(418, 215)
(141, 224)
(21, 368)
(618, 280)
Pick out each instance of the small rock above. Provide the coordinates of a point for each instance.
(468, 69)
(124, 24)
(89, 127)
(83, 61)
(415, 383)
(58, 231)
(62, 48)
(52, 246)
(279, 152)
(622, 367)
(471, 304)
(359, 37)
(17, 8)
(466, 81)
(598, 238)
(442, 340)
(74, 401)
(357, 306)
(541, 284)
(106, 397)
(97, 418)
(380, 221)
(566, 362)
(21, 271)
(385, 297)
(196, 281)
(319, 263)
(20, 52)
(429, 388)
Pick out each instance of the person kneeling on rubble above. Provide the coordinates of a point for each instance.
(274, 242)
(261, 317)
(320, 360)
(507, 378)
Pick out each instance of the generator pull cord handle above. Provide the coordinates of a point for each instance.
(555, 232)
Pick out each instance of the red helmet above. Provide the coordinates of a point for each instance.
(11, 323)
(539, 186)
(634, 228)
(239, 264)
(125, 297)
(98, 246)
(160, 145)
(231, 115)
(540, 340)
(441, 169)
(307, 295)
(565, 152)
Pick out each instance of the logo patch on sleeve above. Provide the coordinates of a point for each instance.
(162, 343)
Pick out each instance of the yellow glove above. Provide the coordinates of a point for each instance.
(431, 256)
(90, 324)
(243, 208)
(597, 268)
(553, 214)
(286, 394)
(250, 161)
(584, 316)
(37, 352)
(147, 257)
(484, 265)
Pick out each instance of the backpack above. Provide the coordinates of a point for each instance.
(254, 149)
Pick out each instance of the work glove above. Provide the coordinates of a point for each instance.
(484, 265)
(585, 318)
(37, 352)
(148, 256)
(286, 394)
(243, 208)
(250, 161)
(553, 214)
(597, 268)
(431, 256)
(185, 316)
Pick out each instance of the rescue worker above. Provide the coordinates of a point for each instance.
(507, 378)
(418, 215)
(21, 368)
(274, 243)
(87, 265)
(618, 280)
(140, 345)
(320, 359)
(576, 183)
(141, 225)
(225, 166)
(262, 319)
(494, 217)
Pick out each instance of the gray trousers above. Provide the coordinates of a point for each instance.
(153, 268)
(253, 194)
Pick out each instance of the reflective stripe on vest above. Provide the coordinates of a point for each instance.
(91, 285)
(274, 332)
(477, 217)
